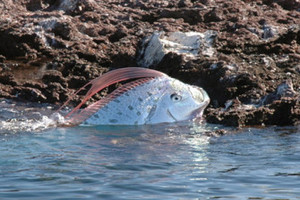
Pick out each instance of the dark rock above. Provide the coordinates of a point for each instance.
(8, 78)
(55, 93)
(37, 85)
(285, 89)
(185, 3)
(118, 34)
(35, 5)
(63, 30)
(286, 4)
(190, 16)
(29, 94)
(6, 91)
(52, 76)
(286, 112)
(2, 59)
(71, 42)
(213, 16)
(90, 16)
(76, 82)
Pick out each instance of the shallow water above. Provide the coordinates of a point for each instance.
(178, 161)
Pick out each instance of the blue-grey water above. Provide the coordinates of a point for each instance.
(175, 161)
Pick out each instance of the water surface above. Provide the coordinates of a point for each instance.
(175, 161)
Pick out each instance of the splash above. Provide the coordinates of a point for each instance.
(16, 117)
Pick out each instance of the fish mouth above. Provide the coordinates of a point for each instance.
(204, 99)
(172, 116)
(198, 113)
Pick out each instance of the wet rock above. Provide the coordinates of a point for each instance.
(90, 16)
(2, 59)
(29, 94)
(241, 52)
(35, 5)
(280, 107)
(214, 15)
(216, 133)
(6, 91)
(185, 3)
(76, 82)
(8, 79)
(286, 112)
(286, 4)
(52, 76)
(190, 16)
(285, 89)
(55, 92)
(118, 34)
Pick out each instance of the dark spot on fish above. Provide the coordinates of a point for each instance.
(113, 121)
(119, 113)
(140, 99)
(117, 100)
(153, 108)
(138, 113)
(104, 108)
(136, 123)
(126, 94)
(149, 93)
(159, 88)
(151, 111)
(96, 116)
(130, 107)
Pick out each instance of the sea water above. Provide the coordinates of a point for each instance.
(39, 160)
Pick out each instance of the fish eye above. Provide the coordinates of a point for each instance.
(175, 97)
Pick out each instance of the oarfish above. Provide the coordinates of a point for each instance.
(152, 97)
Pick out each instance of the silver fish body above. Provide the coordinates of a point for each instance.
(158, 100)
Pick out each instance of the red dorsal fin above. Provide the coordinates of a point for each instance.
(110, 78)
(82, 115)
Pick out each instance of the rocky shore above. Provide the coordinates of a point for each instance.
(246, 54)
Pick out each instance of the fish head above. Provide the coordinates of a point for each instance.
(184, 102)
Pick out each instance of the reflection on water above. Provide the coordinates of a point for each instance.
(168, 161)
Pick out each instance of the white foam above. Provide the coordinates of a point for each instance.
(19, 117)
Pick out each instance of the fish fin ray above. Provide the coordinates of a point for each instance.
(108, 79)
(87, 112)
